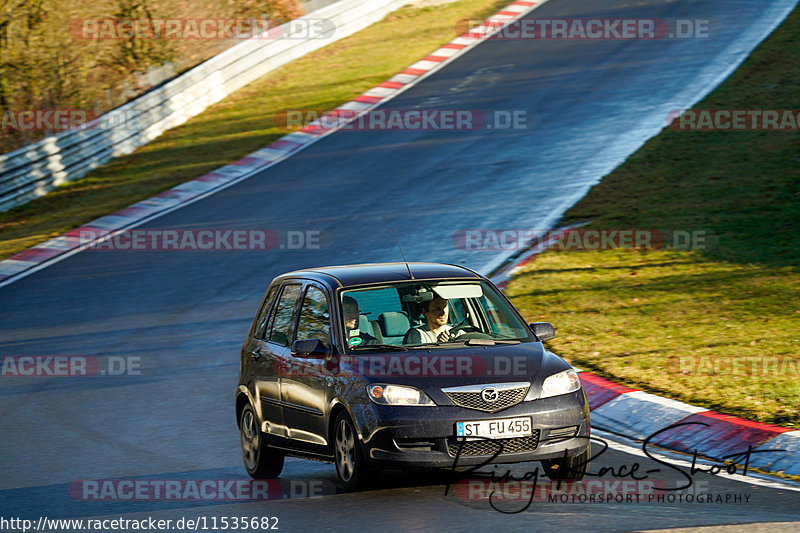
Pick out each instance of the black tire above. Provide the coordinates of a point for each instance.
(351, 467)
(259, 460)
(570, 469)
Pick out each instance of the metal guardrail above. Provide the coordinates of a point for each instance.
(35, 169)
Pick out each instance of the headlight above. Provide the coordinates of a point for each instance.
(561, 383)
(397, 395)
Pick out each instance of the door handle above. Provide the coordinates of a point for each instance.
(255, 355)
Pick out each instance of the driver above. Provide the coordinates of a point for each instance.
(435, 328)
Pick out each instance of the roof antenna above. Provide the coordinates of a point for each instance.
(401, 253)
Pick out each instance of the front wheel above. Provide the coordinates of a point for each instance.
(351, 466)
(259, 460)
(569, 468)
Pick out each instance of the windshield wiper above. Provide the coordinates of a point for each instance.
(448, 343)
(486, 342)
(382, 347)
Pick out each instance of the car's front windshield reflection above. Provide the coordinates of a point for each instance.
(427, 313)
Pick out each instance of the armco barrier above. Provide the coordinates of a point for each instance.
(35, 169)
(58, 248)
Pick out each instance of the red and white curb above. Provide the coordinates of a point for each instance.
(638, 415)
(59, 248)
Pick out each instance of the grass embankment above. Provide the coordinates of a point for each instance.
(717, 327)
(68, 54)
(242, 123)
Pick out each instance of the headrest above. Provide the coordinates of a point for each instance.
(363, 324)
(393, 324)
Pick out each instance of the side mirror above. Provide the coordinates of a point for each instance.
(310, 348)
(544, 331)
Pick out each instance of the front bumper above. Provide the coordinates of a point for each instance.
(425, 436)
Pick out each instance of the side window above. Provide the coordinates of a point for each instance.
(279, 329)
(458, 308)
(314, 317)
(496, 323)
(261, 323)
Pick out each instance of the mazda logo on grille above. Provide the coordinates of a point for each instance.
(489, 394)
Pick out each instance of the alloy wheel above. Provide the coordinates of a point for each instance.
(345, 450)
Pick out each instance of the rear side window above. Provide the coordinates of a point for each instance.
(314, 317)
(263, 316)
(282, 317)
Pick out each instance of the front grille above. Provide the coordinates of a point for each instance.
(474, 400)
(490, 447)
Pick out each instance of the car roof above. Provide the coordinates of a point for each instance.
(350, 275)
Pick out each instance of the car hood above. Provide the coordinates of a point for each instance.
(442, 367)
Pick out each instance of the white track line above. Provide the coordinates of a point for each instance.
(624, 445)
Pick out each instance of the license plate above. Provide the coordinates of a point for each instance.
(501, 428)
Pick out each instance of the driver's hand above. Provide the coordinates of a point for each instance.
(444, 336)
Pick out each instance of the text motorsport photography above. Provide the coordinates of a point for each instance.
(636, 482)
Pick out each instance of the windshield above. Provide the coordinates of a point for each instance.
(426, 313)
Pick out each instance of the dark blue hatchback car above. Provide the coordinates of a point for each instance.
(403, 364)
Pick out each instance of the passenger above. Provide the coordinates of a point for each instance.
(355, 337)
(435, 329)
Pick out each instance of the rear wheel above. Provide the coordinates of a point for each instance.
(259, 460)
(568, 468)
(351, 466)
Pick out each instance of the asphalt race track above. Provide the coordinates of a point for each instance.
(183, 315)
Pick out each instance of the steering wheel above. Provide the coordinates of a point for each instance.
(466, 328)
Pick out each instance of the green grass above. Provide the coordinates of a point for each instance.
(242, 123)
(632, 315)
